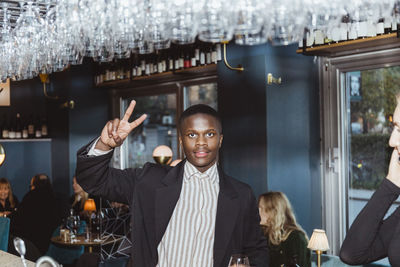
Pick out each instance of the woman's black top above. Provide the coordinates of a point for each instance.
(8, 207)
(292, 250)
(371, 237)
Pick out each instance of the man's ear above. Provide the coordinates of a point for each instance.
(220, 140)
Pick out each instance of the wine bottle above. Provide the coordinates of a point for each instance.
(11, 132)
(214, 54)
(31, 127)
(202, 57)
(38, 128)
(5, 128)
(208, 55)
(18, 127)
(193, 60)
(44, 128)
(25, 131)
(219, 52)
(187, 63)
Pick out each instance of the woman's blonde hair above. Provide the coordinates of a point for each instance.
(81, 196)
(4, 181)
(281, 220)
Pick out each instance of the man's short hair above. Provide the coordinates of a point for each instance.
(199, 109)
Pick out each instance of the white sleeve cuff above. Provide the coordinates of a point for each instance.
(97, 152)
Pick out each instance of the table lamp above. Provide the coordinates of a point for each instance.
(319, 243)
(162, 155)
(2, 154)
(89, 206)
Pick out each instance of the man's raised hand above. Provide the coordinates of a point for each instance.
(115, 131)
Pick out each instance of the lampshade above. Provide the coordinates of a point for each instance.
(2, 155)
(318, 241)
(90, 205)
(162, 154)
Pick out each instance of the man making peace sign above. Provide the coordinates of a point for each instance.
(191, 215)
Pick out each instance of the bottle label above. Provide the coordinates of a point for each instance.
(202, 59)
(219, 54)
(44, 130)
(5, 134)
(197, 54)
(38, 133)
(25, 133)
(11, 134)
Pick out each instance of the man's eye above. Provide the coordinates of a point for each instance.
(191, 135)
(210, 134)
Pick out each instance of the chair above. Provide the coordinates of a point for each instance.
(66, 255)
(4, 233)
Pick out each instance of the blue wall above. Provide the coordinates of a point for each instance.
(291, 125)
(23, 161)
(90, 114)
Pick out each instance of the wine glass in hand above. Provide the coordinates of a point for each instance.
(239, 260)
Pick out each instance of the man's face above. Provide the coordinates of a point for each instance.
(201, 139)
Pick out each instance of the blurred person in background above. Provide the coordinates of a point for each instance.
(287, 241)
(8, 202)
(39, 213)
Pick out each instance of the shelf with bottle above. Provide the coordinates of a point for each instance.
(350, 37)
(23, 128)
(178, 59)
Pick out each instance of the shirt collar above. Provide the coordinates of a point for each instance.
(190, 170)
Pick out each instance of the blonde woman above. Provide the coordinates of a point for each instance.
(287, 240)
(8, 202)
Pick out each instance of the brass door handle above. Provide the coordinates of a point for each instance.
(271, 79)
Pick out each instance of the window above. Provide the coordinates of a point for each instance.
(357, 99)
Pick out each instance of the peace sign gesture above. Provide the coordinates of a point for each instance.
(115, 131)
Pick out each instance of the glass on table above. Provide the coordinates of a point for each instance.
(239, 260)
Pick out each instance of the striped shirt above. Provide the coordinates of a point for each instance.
(189, 237)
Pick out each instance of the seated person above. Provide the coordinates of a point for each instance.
(8, 202)
(287, 241)
(38, 214)
(372, 237)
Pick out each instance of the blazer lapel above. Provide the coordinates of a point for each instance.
(227, 213)
(166, 198)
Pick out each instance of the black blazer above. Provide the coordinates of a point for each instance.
(152, 193)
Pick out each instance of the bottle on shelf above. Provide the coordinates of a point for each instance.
(208, 55)
(214, 54)
(44, 128)
(25, 131)
(197, 55)
(193, 60)
(11, 131)
(38, 128)
(18, 127)
(187, 62)
(181, 59)
(5, 128)
(202, 56)
(219, 51)
(31, 127)
(170, 60)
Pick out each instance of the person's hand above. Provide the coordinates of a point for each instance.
(115, 131)
(394, 168)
